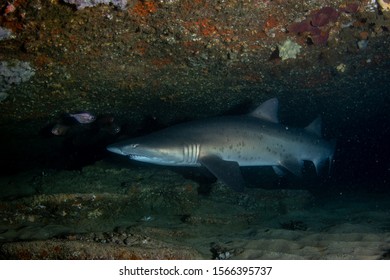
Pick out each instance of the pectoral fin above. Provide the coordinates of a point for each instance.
(226, 171)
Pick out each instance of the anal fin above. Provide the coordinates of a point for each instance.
(278, 171)
(293, 165)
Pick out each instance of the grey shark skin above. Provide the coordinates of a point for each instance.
(223, 144)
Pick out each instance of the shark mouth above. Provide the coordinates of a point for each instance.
(138, 157)
(155, 160)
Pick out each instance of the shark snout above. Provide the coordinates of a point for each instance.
(115, 149)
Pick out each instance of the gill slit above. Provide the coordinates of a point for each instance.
(191, 153)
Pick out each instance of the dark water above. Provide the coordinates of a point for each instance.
(362, 152)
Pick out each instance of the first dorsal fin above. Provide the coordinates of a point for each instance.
(267, 111)
(315, 127)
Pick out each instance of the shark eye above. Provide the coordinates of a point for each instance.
(134, 145)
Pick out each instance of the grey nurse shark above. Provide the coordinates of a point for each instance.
(223, 144)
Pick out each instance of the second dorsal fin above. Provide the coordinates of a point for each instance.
(315, 127)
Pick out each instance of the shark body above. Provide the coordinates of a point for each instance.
(223, 144)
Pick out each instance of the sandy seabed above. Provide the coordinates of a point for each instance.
(106, 212)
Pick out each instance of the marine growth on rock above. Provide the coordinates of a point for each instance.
(289, 49)
(13, 73)
(81, 4)
(5, 34)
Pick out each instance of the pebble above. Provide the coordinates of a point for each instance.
(362, 44)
